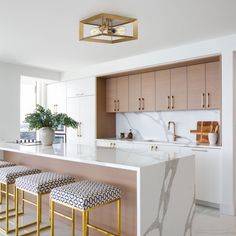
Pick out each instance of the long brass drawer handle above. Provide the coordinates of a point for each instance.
(139, 99)
(168, 102)
(203, 100)
(118, 105)
(172, 102)
(114, 105)
(143, 104)
(208, 99)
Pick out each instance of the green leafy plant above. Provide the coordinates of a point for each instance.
(42, 117)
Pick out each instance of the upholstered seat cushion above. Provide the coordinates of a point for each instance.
(4, 164)
(43, 182)
(9, 174)
(86, 194)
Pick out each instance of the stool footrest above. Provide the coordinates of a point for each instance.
(62, 215)
(35, 231)
(10, 216)
(101, 230)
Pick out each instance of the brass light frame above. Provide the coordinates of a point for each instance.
(111, 18)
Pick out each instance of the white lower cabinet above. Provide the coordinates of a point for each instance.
(82, 110)
(208, 172)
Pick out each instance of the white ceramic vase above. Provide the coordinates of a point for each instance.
(46, 136)
(212, 137)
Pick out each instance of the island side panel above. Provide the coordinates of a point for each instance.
(167, 201)
(105, 216)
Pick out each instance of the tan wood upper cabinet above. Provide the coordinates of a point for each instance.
(135, 93)
(117, 94)
(196, 86)
(148, 92)
(213, 85)
(122, 99)
(111, 94)
(178, 88)
(163, 90)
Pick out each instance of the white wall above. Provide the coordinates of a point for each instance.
(10, 95)
(224, 46)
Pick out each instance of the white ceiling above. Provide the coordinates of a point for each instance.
(44, 33)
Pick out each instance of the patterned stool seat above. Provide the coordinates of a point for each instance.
(4, 164)
(86, 194)
(8, 175)
(44, 182)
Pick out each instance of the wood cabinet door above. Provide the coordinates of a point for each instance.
(111, 95)
(196, 76)
(213, 85)
(162, 90)
(122, 94)
(135, 93)
(179, 88)
(148, 91)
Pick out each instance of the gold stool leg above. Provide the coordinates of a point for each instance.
(17, 210)
(84, 223)
(39, 203)
(52, 218)
(7, 207)
(73, 221)
(0, 193)
(22, 202)
(118, 216)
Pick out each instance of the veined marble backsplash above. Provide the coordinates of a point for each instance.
(154, 125)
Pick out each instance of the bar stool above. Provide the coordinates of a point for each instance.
(85, 196)
(4, 164)
(38, 185)
(8, 177)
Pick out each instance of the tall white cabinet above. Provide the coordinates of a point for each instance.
(80, 104)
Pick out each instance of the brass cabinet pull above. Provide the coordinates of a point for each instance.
(79, 132)
(168, 102)
(118, 105)
(208, 100)
(143, 103)
(139, 99)
(172, 102)
(203, 100)
(114, 105)
(152, 148)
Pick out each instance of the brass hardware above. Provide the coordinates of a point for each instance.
(85, 218)
(172, 102)
(139, 103)
(208, 99)
(118, 105)
(168, 102)
(108, 29)
(152, 148)
(156, 148)
(114, 105)
(203, 100)
(143, 104)
(79, 127)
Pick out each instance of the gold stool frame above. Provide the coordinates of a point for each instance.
(38, 205)
(7, 211)
(85, 218)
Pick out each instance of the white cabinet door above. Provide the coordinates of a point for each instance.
(56, 97)
(207, 174)
(81, 87)
(82, 109)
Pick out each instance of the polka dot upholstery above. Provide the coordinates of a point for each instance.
(86, 194)
(44, 182)
(4, 164)
(9, 175)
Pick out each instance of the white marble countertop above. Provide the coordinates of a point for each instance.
(130, 159)
(167, 143)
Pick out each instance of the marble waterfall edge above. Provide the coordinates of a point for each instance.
(170, 209)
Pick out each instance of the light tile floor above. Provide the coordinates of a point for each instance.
(207, 222)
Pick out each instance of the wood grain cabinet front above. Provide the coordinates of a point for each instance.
(117, 94)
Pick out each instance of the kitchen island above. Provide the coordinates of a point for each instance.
(157, 187)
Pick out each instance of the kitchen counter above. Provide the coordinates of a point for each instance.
(155, 186)
(167, 143)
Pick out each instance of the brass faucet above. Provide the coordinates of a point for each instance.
(174, 131)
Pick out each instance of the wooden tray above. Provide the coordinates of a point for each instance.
(203, 128)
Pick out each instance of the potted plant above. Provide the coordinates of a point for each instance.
(45, 121)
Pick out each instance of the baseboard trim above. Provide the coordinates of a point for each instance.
(207, 204)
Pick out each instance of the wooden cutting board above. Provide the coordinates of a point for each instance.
(203, 128)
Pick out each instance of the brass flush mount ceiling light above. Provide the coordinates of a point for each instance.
(107, 28)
